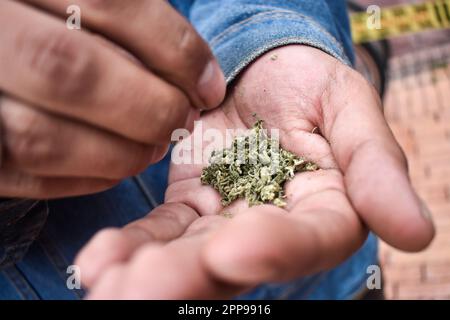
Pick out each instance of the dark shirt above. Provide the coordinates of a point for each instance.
(21, 220)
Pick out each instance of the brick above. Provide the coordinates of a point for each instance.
(437, 291)
(437, 273)
(391, 291)
(400, 273)
(438, 253)
(436, 146)
(424, 126)
(417, 108)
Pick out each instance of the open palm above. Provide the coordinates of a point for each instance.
(325, 112)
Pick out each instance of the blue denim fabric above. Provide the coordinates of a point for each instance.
(42, 274)
(241, 30)
(238, 31)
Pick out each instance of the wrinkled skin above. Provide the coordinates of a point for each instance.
(187, 249)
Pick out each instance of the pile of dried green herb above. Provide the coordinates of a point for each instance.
(254, 168)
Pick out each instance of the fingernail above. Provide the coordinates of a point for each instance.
(211, 85)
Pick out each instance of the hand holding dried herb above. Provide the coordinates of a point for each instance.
(254, 168)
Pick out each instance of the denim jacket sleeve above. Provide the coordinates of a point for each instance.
(239, 31)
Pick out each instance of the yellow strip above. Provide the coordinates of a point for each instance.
(400, 20)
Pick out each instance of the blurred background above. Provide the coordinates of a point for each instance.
(415, 83)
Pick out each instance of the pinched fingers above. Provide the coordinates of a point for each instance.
(160, 37)
(74, 75)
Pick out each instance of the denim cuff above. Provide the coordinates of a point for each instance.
(21, 221)
(243, 42)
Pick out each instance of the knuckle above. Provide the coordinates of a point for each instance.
(189, 40)
(24, 138)
(66, 69)
(190, 51)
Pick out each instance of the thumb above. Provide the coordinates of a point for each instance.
(374, 166)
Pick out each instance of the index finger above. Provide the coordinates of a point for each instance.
(111, 246)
